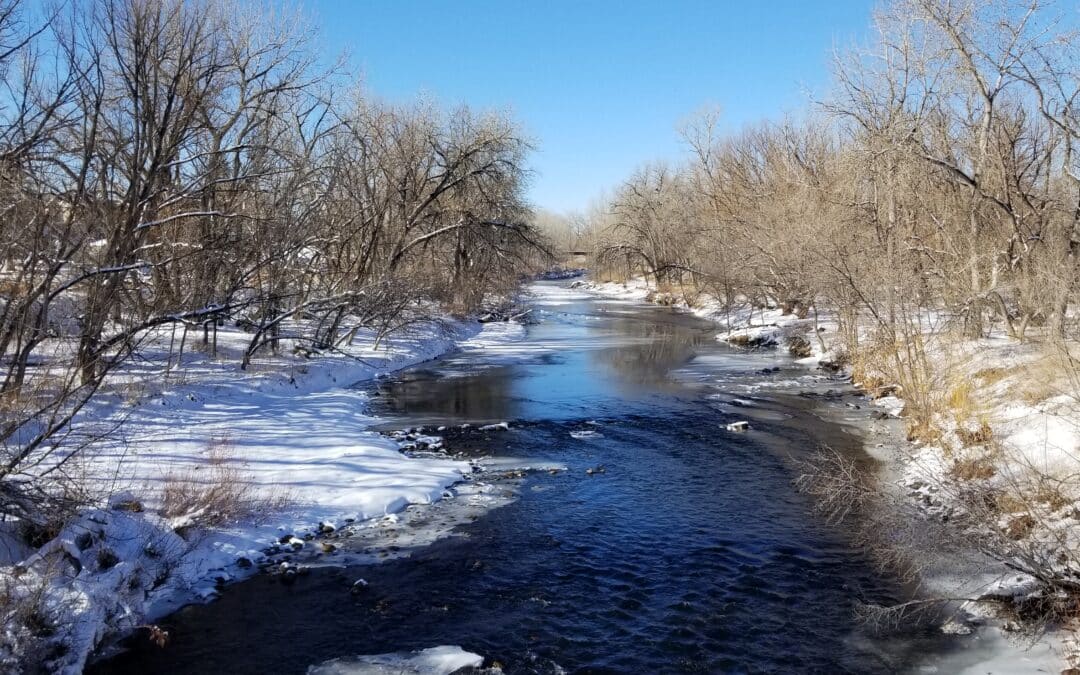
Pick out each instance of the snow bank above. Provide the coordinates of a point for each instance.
(294, 435)
(634, 290)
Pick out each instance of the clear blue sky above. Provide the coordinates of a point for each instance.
(600, 85)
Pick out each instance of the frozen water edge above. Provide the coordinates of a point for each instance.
(442, 660)
(299, 432)
(492, 484)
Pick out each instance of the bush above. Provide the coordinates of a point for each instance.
(799, 347)
(972, 469)
(980, 436)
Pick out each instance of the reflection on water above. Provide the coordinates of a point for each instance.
(690, 553)
(582, 362)
(423, 394)
(657, 349)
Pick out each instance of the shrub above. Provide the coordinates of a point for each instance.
(799, 347)
(972, 469)
(980, 436)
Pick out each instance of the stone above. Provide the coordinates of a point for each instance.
(107, 559)
(84, 541)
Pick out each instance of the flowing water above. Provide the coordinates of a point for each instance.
(686, 548)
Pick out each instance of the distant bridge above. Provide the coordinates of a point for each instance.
(577, 257)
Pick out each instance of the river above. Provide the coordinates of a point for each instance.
(684, 549)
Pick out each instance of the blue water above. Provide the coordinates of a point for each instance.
(691, 552)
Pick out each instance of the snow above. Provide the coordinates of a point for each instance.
(890, 405)
(633, 290)
(433, 661)
(291, 432)
(585, 434)
(990, 652)
(555, 296)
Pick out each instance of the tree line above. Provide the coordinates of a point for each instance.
(189, 164)
(936, 188)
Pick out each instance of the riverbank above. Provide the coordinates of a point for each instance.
(205, 472)
(1034, 434)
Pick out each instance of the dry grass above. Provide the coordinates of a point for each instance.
(980, 435)
(1008, 502)
(1040, 380)
(1052, 496)
(1034, 392)
(1037, 492)
(979, 468)
(873, 359)
(25, 603)
(739, 340)
(921, 429)
(990, 376)
(32, 626)
(662, 298)
(217, 492)
(963, 403)
(866, 373)
(1020, 527)
(1004, 522)
(960, 400)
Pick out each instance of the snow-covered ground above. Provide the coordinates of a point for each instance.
(289, 440)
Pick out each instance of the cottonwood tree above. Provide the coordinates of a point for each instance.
(169, 165)
(655, 224)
